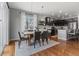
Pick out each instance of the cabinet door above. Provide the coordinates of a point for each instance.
(62, 34)
(0, 27)
(1, 5)
(3, 25)
(1, 37)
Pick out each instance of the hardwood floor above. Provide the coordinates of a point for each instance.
(9, 50)
(65, 48)
(68, 48)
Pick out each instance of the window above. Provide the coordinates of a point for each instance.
(29, 22)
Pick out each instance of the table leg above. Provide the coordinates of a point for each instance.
(29, 41)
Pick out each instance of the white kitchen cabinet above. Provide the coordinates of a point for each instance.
(1, 37)
(1, 46)
(62, 34)
(0, 11)
(4, 25)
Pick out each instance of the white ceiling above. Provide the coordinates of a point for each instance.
(47, 7)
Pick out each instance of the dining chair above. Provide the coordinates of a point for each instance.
(44, 37)
(71, 33)
(22, 38)
(37, 38)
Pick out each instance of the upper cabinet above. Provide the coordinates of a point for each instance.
(1, 5)
(4, 25)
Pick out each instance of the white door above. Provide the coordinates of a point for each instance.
(1, 46)
(3, 25)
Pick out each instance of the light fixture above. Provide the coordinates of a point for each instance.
(42, 8)
(60, 11)
(31, 7)
(66, 14)
(1, 5)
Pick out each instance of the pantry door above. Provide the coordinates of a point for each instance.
(1, 45)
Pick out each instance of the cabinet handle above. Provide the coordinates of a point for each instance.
(0, 20)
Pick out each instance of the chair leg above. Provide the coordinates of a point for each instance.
(26, 41)
(43, 41)
(47, 40)
(39, 42)
(19, 43)
(34, 43)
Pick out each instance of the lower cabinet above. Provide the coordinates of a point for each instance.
(62, 34)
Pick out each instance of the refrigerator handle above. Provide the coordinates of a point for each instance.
(0, 20)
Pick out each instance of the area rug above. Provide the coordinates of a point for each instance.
(26, 50)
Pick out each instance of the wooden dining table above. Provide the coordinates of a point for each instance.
(29, 33)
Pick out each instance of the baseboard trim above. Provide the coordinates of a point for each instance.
(3, 50)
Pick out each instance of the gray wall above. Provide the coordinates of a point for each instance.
(14, 23)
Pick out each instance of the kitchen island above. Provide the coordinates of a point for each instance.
(62, 34)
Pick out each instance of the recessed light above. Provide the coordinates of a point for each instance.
(60, 11)
(66, 14)
(1, 5)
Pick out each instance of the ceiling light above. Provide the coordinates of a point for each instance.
(1, 5)
(60, 11)
(66, 14)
